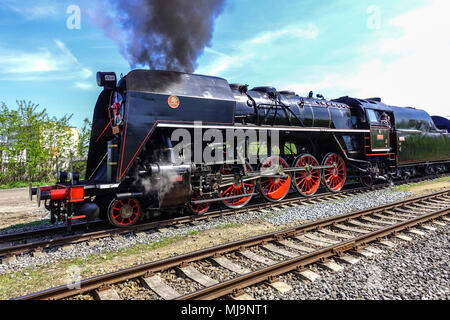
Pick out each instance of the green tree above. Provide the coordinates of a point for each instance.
(83, 147)
(84, 138)
(31, 142)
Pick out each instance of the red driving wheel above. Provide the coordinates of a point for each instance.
(334, 178)
(124, 212)
(237, 189)
(307, 182)
(274, 189)
(199, 209)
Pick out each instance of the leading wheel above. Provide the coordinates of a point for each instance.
(124, 212)
(334, 177)
(274, 189)
(306, 182)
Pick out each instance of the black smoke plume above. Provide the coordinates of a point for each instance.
(161, 34)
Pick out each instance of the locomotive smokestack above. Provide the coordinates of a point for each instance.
(168, 35)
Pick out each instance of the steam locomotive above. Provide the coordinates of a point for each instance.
(135, 169)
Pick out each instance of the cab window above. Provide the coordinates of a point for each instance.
(372, 115)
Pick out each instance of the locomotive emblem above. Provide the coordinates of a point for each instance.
(174, 102)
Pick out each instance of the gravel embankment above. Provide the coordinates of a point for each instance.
(337, 207)
(417, 270)
(300, 213)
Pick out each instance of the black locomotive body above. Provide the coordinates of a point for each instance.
(136, 169)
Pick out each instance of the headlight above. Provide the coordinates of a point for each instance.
(107, 79)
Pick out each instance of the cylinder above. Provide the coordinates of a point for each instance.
(90, 210)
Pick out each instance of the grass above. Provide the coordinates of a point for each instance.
(18, 283)
(29, 280)
(228, 226)
(407, 187)
(14, 284)
(22, 184)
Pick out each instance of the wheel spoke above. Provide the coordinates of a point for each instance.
(227, 191)
(334, 178)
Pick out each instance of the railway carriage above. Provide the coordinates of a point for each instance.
(135, 169)
(442, 123)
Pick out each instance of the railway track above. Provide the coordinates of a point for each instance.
(264, 258)
(39, 240)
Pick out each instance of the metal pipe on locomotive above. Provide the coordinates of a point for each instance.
(134, 169)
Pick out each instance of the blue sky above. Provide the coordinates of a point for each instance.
(397, 50)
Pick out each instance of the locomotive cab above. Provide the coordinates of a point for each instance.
(380, 127)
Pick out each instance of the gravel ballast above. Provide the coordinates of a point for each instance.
(416, 270)
(337, 207)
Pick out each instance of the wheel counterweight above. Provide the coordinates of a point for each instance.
(274, 189)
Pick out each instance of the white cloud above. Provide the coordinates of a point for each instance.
(223, 62)
(406, 65)
(13, 62)
(84, 85)
(249, 49)
(292, 31)
(44, 64)
(81, 70)
(34, 10)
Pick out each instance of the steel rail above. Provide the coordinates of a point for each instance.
(106, 280)
(21, 236)
(266, 274)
